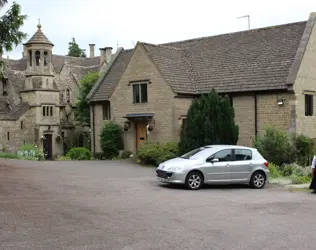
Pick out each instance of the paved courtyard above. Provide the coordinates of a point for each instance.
(118, 205)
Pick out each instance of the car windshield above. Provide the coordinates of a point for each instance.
(198, 153)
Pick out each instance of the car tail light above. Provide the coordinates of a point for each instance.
(266, 164)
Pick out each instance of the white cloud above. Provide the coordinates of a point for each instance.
(106, 22)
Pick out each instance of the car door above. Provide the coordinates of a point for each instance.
(242, 165)
(217, 166)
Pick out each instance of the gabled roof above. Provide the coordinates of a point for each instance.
(255, 60)
(39, 38)
(108, 80)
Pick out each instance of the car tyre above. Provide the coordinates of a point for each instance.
(194, 180)
(258, 180)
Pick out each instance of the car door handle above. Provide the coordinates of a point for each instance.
(227, 165)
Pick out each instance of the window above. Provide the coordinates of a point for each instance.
(37, 58)
(106, 111)
(184, 122)
(243, 154)
(22, 125)
(68, 95)
(223, 155)
(45, 58)
(30, 57)
(47, 110)
(309, 103)
(140, 94)
(8, 136)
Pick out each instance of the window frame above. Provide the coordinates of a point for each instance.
(309, 104)
(140, 93)
(37, 58)
(106, 107)
(242, 149)
(47, 110)
(209, 159)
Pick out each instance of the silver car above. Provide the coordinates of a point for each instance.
(214, 164)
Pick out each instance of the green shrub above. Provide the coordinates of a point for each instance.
(63, 158)
(111, 140)
(30, 152)
(299, 179)
(126, 154)
(6, 155)
(210, 120)
(294, 169)
(154, 153)
(275, 146)
(304, 150)
(274, 170)
(79, 154)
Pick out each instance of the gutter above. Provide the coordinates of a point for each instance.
(93, 128)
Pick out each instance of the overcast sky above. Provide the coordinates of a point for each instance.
(108, 22)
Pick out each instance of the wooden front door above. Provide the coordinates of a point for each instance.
(48, 146)
(141, 133)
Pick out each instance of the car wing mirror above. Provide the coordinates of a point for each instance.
(215, 160)
(212, 160)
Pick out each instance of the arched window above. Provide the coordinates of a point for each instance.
(45, 58)
(37, 57)
(30, 57)
(68, 95)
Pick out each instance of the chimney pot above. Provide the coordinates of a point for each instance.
(91, 50)
(105, 55)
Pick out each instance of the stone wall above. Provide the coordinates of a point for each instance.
(160, 99)
(305, 83)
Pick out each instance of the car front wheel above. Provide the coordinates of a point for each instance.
(194, 180)
(258, 180)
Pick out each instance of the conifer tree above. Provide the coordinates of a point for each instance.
(210, 120)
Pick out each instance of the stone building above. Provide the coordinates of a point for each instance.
(269, 74)
(38, 94)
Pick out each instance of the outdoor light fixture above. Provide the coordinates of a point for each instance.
(280, 102)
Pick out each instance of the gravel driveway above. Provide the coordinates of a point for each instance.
(119, 205)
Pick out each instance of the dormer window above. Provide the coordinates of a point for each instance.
(45, 58)
(37, 57)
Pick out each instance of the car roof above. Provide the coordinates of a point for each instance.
(219, 146)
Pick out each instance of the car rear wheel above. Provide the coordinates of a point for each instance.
(258, 180)
(194, 181)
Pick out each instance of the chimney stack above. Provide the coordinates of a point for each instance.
(91, 50)
(105, 55)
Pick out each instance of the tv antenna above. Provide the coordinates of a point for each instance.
(246, 16)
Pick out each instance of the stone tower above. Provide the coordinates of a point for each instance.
(41, 91)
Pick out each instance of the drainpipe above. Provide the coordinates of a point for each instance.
(256, 115)
(93, 127)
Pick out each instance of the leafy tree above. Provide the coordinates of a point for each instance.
(82, 112)
(210, 120)
(74, 49)
(10, 24)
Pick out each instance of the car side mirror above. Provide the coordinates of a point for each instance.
(212, 160)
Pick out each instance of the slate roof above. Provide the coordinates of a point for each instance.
(108, 80)
(255, 60)
(39, 37)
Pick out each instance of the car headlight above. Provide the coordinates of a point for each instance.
(175, 169)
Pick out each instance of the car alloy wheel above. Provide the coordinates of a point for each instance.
(258, 180)
(194, 180)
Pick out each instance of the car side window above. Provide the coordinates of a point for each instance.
(243, 154)
(224, 155)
